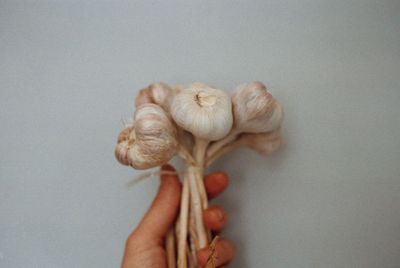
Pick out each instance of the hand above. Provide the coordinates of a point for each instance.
(145, 246)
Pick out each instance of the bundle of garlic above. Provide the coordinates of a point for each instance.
(200, 124)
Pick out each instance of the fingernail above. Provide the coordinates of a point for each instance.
(166, 167)
(219, 214)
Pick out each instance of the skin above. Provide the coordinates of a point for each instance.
(145, 246)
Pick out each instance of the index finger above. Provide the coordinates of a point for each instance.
(216, 183)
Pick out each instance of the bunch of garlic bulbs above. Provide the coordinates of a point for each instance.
(199, 123)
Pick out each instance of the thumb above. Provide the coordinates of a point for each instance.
(162, 212)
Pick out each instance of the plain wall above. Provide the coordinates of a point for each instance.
(69, 72)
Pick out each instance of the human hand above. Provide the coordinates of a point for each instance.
(145, 246)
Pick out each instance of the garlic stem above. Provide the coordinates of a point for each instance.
(199, 152)
(193, 241)
(191, 260)
(185, 155)
(197, 206)
(183, 222)
(214, 147)
(226, 149)
(193, 188)
(170, 247)
(263, 143)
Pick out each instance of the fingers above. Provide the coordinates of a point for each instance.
(226, 251)
(215, 218)
(162, 212)
(216, 183)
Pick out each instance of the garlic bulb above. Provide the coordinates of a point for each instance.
(157, 93)
(255, 109)
(123, 145)
(143, 97)
(264, 143)
(177, 88)
(151, 142)
(204, 111)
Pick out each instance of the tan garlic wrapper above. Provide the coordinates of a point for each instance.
(177, 88)
(263, 143)
(157, 93)
(151, 142)
(204, 111)
(255, 110)
(143, 97)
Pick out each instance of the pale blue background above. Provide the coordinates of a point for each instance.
(69, 72)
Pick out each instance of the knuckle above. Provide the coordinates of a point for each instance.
(130, 241)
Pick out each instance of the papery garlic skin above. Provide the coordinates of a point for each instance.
(143, 97)
(177, 88)
(255, 109)
(157, 93)
(204, 111)
(151, 142)
(264, 143)
(123, 145)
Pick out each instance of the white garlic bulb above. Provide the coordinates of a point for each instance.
(157, 93)
(255, 109)
(204, 111)
(151, 142)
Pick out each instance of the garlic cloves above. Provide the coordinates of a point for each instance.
(255, 109)
(157, 93)
(152, 141)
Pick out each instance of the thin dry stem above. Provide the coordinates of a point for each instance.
(216, 146)
(197, 207)
(193, 239)
(170, 247)
(202, 189)
(224, 150)
(177, 228)
(185, 155)
(243, 141)
(199, 152)
(183, 222)
(191, 260)
(212, 259)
